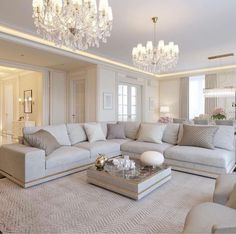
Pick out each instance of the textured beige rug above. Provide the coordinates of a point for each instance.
(70, 205)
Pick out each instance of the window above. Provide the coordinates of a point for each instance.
(196, 96)
(128, 102)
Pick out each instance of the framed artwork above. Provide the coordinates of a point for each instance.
(107, 101)
(28, 101)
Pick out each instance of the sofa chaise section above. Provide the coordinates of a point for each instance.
(201, 161)
(21, 163)
(29, 166)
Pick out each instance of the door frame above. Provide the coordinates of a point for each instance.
(140, 98)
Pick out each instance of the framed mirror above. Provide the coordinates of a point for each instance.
(28, 101)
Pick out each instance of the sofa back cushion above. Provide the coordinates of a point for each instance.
(76, 133)
(225, 138)
(42, 140)
(94, 132)
(199, 136)
(58, 131)
(131, 129)
(170, 134)
(151, 133)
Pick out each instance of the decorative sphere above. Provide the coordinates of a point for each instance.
(152, 158)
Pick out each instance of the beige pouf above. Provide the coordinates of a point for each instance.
(152, 158)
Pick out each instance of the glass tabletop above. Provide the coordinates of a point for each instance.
(138, 174)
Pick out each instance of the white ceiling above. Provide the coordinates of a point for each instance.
(200, 27)
(22, 54)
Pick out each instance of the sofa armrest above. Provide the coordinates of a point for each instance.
(218, 229)
(22, 162)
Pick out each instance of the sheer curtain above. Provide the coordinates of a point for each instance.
(210, 103)
(184, 98)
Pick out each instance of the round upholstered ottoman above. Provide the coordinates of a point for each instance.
(152, 158)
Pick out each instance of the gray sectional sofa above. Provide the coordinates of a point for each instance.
(29, 166)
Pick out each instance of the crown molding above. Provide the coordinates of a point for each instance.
(39, 43)
(197, 72)
(27, 39)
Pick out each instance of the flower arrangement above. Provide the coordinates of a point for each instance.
(218, 113)
(165, 120)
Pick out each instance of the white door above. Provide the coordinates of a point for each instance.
(78, 101)
(8, 108)
(129, 102)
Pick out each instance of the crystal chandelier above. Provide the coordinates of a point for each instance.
(155, 57)
(77, 24)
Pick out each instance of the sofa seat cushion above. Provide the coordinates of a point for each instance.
(210, 157)
(223, 187)
(120, 141)
(100, 147)
(203, 217)
(66, 155)
(140, 147)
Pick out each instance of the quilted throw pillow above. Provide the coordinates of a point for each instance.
(199, 136)
(42, 140)
(94, 132)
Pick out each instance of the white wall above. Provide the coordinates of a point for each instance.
(106, 83)
(58, 97)
(108, 80)
(169, 95)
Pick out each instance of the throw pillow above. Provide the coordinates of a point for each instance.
(199, 136)
(42, 140)
(76, 133)
(115, 131)
(232, 199)
(131, 129)
(224, 137)
(151, 133)
(170, 134)
(94, 132)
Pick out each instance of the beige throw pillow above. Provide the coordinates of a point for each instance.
(199, 136)
(115, 131)
(42, 140)
(94, 132)
(151, 133)
(232, 199)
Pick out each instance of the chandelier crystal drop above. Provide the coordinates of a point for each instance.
(77, 24)
(155, 57)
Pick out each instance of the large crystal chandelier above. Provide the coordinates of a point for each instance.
(155, 57)
(77, 24)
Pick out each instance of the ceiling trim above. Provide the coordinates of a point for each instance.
(197, 72)
(37, 42)
(15, 35)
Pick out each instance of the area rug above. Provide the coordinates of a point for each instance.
(70, 205)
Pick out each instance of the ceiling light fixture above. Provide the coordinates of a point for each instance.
(155, 57)
(77, 24)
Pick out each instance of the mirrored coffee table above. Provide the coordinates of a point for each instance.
(134, 184)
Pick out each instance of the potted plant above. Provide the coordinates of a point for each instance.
(218, 113)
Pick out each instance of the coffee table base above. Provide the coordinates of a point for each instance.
(128, 188)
